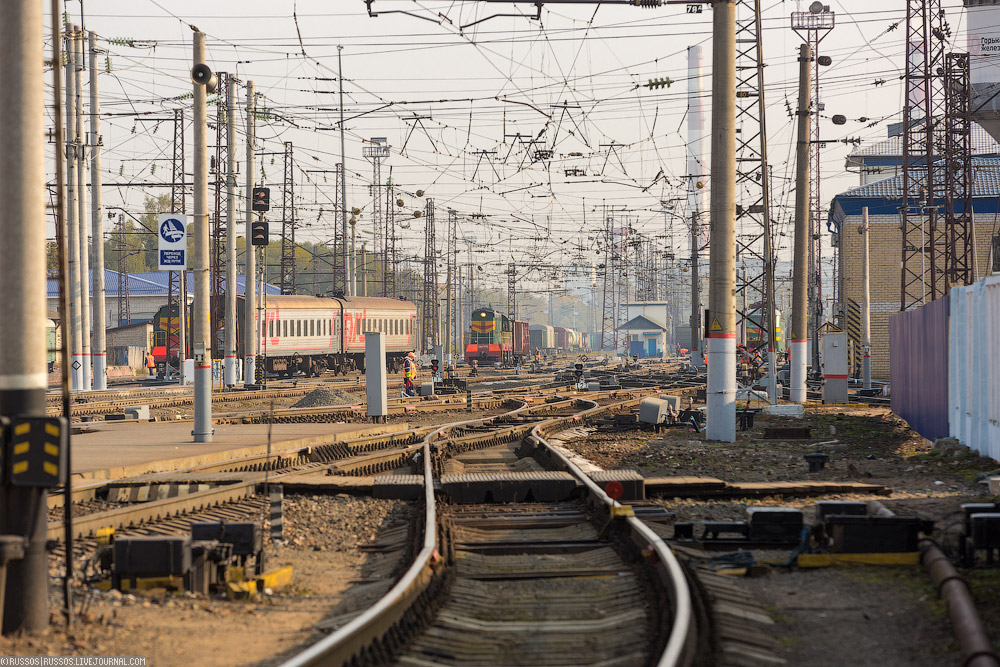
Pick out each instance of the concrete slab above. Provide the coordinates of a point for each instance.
(794, 410)
(113, 451)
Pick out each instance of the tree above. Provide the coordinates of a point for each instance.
(140, 246)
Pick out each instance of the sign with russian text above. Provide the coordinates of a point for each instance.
(172, 236)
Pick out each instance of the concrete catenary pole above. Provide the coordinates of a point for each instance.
(230, 361)
(23, 376)
(721, 392)
(354, 260)
(250, 275)
(866, 323)
(348, 253)
(800, 266)
(99, 347)
(72, 328)
(201, 330)
(82, 212)
(697, 178)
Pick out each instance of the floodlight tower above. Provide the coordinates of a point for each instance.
(813, 26)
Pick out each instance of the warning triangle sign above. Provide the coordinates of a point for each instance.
(715, 326)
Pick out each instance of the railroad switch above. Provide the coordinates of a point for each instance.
(215, 555)
(875, 534)
(778, 524)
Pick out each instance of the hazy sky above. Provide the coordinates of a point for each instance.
(451, 102)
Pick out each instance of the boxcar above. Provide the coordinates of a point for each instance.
(521, 345)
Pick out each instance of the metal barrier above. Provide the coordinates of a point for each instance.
(974, 366)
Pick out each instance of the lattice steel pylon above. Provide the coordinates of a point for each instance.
(923, 177)
(452, 272)
(124, 303)
(176, 290)
(375, 151)
(430, 329)
(959, 264)
(512, 290)
(753, 210)
(391, 260)
(340, 279)
(288, 272)
(609, 319)
(219, 230)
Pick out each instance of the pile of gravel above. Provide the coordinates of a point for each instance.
(323, 396)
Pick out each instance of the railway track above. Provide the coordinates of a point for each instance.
(581, 581)
(171, 494)
(116, 401)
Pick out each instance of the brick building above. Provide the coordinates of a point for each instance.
(883, 199)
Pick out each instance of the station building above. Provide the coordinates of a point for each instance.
(645, 332)
(881, 192)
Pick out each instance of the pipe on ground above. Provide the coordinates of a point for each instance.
(977, 650)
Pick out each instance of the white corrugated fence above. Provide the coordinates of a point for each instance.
(974, 366)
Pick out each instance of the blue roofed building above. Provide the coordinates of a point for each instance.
(883, 198)
(146, 293)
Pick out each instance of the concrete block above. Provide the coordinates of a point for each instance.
(652, 411)
(786, 410)
(672, 401)
(994, 486)
(140, 412)
(593, 386)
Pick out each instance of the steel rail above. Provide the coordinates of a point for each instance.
(350, 641)
(677, 651)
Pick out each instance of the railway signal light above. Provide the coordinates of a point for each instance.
(578, 370)
(259, 233)
(435, 365)
(261, 199)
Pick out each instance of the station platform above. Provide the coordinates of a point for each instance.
(114, 450)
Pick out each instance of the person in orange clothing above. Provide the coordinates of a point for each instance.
(409, 374)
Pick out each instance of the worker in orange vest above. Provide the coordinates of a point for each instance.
(409, 374)
(150, 364)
